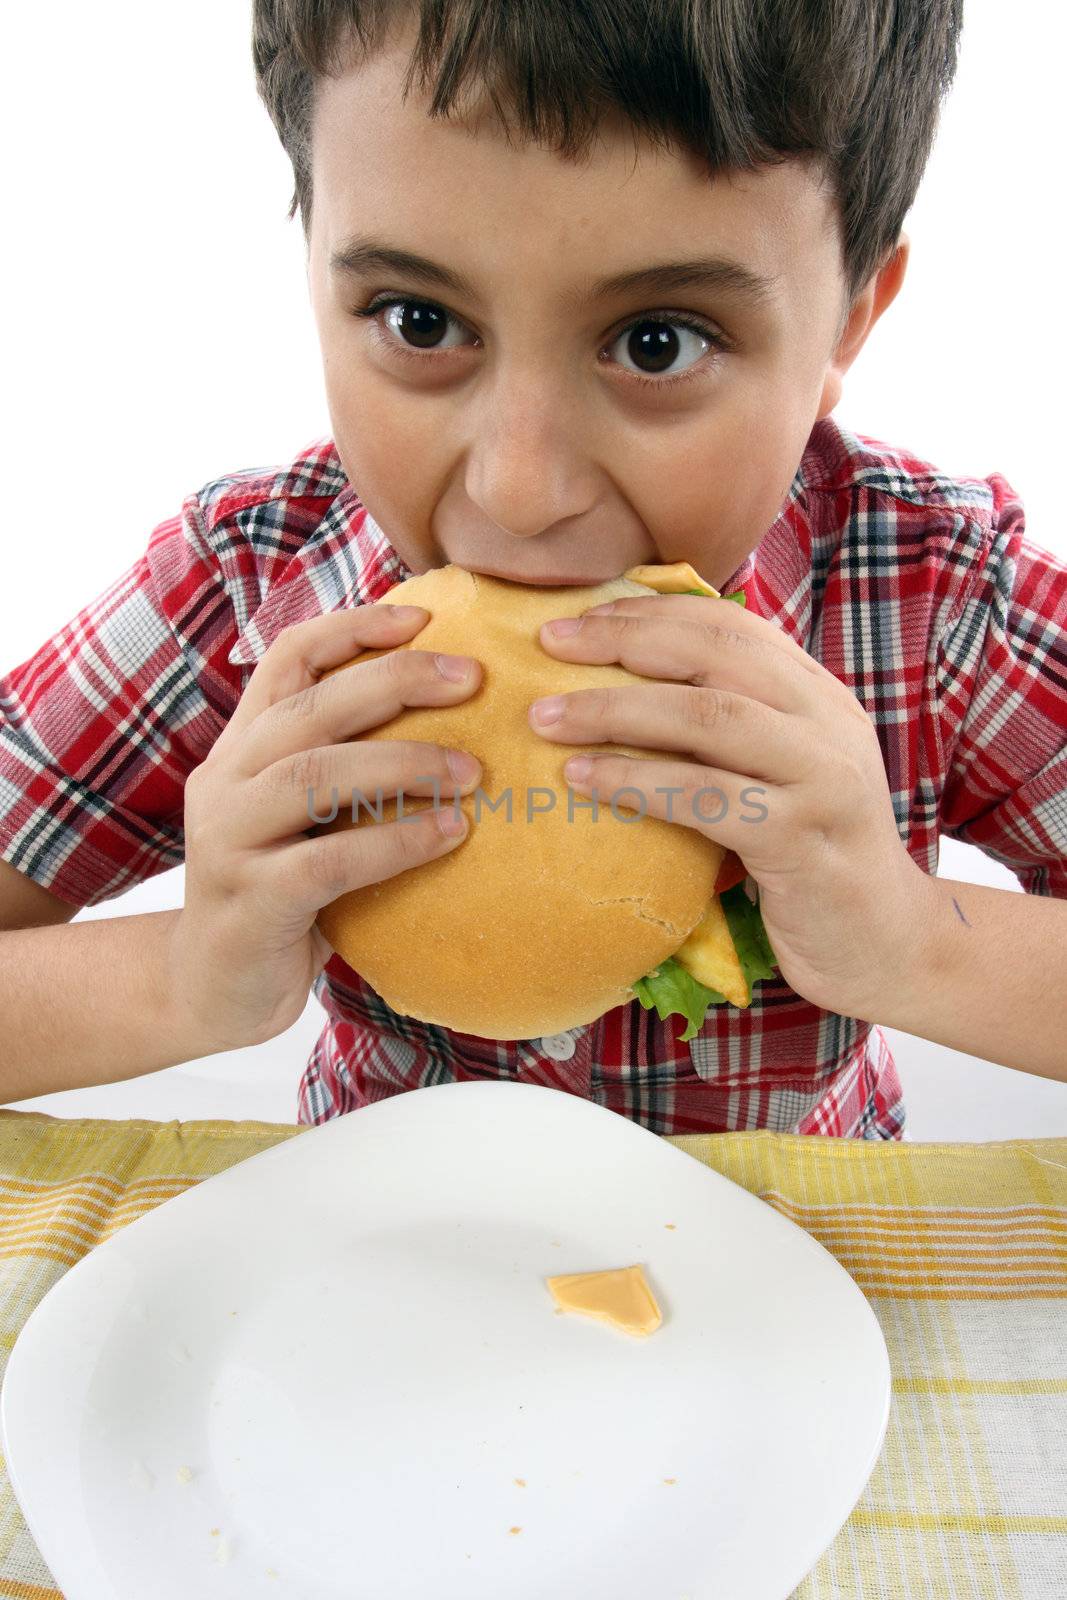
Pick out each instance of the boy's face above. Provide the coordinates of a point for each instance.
(507, 428)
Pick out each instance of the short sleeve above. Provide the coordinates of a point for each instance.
(100, 727)
(1002, 704)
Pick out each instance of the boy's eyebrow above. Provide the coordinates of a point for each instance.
(360, 256)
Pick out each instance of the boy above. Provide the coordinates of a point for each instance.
(587, 281)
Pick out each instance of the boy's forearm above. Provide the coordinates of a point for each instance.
(87, 1003)
(985, 973)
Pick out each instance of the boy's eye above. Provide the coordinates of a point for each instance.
(416, 322)
(655, 344)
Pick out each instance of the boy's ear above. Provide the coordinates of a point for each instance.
(880, 291)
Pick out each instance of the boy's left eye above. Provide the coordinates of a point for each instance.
(653, 338)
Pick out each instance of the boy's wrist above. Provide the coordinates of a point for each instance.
(915, 979)
(191, 1036)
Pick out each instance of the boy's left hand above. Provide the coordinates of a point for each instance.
(750, 714)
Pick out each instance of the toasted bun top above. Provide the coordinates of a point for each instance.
(540, 923)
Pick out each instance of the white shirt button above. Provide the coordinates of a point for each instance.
(559, 1046)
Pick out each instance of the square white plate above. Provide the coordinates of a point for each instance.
(348, 1340)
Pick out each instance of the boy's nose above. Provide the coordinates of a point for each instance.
(527, 477)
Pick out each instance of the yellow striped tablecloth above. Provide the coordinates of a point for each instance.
(961, 1250)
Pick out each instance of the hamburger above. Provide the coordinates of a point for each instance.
(556, 906)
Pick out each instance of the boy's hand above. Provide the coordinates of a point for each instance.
(802, 795)
(245, 951)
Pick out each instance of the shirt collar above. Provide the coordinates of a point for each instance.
(347, 561)
(747, 576)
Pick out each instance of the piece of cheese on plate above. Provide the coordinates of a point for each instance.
(620, 1296)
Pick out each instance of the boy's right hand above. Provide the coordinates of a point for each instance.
(244, 948)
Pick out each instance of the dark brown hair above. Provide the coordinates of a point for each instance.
(855, 85)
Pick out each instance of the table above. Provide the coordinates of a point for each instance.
(960, 1249)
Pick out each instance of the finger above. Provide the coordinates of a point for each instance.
(302, 653)
(313, 872)
(351, 701)
(731, 808)
(312, 786)
(718, 612)
(693, 650)
(715, 726)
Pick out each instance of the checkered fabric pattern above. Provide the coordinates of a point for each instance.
(919, 591)
(961, 1251)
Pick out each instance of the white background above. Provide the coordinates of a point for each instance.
(157, 334)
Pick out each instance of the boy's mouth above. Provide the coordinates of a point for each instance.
(541, 580)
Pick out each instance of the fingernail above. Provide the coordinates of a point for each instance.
(578, 768)
(407, 613)
(462, 766)
(598, 611)
(454, 668)
(564, 627)
(451, 821)
(549, 710)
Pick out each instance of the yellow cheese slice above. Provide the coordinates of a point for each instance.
(621, 1297)
(673, 578)
(710, 957)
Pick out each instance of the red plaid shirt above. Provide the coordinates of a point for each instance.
(918, 591)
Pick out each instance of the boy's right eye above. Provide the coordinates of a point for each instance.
(420, 322)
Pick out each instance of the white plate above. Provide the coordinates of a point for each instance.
(349, 1341)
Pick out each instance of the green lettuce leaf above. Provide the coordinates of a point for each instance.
(749, 935)
(738, 595)
(671, 990)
